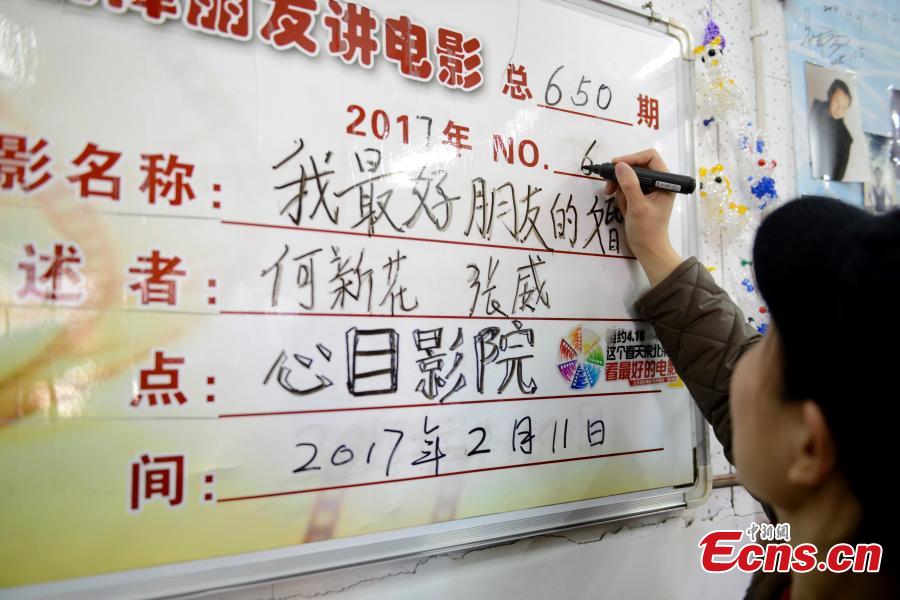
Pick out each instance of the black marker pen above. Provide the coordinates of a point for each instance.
(650, 179)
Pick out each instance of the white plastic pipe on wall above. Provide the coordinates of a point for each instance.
(759, 82)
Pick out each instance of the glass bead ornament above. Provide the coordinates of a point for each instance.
(720, 207)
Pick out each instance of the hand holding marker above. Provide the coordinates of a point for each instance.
(644, 193)
(649, 179)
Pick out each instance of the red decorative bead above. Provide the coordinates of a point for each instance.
(763, 309)
(761, 162)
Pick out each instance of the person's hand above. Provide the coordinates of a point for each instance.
(646, 215)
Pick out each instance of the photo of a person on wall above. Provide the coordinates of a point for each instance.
(834, 125)
(878, 195)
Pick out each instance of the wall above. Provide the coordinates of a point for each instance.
(652, 558)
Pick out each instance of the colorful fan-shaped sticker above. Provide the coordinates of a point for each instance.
(581, 359)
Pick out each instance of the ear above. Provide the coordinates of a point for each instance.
(815, 453)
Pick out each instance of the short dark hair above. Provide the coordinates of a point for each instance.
(838, 84)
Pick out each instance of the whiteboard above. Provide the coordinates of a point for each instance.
(276, 303)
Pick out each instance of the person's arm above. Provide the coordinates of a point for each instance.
(698, 325)
(704, 333)
(646, 215)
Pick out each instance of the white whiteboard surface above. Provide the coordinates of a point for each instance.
(266, 376)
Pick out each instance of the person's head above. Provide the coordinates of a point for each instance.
(814, 404)
(839, 99)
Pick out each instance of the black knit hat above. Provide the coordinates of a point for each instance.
(830, 275)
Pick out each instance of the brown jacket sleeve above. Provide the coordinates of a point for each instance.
(704, 333)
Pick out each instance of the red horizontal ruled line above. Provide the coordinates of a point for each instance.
(584, 114)
(448, 474)
(423, 316)
(430, 404)
(426, 240)
(580, 175)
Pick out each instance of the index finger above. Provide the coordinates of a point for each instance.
(649, 158)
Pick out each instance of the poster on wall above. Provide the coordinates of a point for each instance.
(853, 43)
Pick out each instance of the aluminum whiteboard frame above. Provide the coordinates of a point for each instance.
(229, 572)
